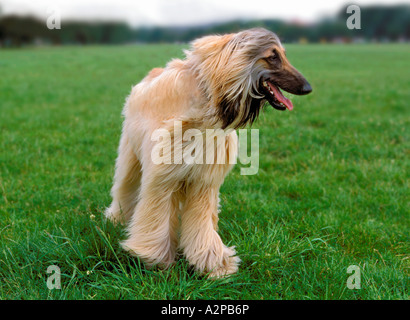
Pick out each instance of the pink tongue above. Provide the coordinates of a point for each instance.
(280, 97)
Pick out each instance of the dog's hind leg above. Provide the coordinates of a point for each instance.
(126, 184)
(200, 241)
(153, 227)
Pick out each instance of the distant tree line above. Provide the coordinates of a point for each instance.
(379, 23)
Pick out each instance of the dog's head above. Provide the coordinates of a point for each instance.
(240, 72)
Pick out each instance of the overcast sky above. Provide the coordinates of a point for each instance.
(181, 12)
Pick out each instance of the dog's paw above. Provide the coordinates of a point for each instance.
(222, 266)
(150, 255)
(229, 267)
(114, 215)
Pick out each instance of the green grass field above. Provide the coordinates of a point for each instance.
(332, 188)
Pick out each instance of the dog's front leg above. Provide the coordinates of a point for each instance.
(200, 241)
(153, 226)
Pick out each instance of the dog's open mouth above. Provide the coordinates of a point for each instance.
(275, 97)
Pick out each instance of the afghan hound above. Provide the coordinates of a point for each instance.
(222, 84)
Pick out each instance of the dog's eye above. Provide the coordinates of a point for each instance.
(273, 57)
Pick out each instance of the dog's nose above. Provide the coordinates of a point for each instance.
(307, 88)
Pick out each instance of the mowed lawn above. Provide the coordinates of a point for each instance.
(332, 188)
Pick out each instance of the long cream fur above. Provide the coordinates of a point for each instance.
(171, 206)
